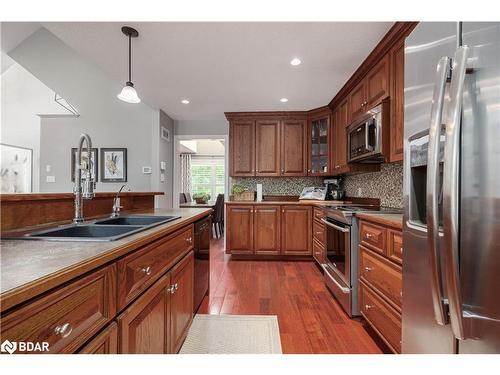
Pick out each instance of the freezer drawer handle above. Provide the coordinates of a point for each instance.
(451, 179)
(436, 121)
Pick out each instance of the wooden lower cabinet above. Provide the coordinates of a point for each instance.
(239, 231)
(181, 302)
(105, 342)
(319, 252)
(144, 325)
(296, 225)
(267, 230)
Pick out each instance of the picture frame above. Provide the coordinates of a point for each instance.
(165, 134)
(113, 165)
(16, 169)
(94, 159)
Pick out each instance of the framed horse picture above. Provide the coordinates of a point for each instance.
(16, 169)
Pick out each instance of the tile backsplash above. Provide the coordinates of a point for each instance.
(387, 185)
(278, 185)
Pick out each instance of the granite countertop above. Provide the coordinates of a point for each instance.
(318, 203)
(393, 220)
(31, 267)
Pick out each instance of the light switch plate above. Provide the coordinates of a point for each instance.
(146, 170)
(163, 165)
(162, 177)
(51, 179)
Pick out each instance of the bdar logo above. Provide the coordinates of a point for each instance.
(8, 347)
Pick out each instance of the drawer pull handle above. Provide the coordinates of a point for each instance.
(368, 307)
(173, 288)
(368, 235)
(368, 269)
(64, 330)
(146, 270)
(189, 240)
(319, 233)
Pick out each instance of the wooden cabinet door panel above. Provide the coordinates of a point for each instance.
(239, 236)
(318, 252)
(357, 101)
(296, 224)
(267, 230)
(342, 134)
(139, 270)
(395, 245)
(181, 301)
(143, 326)
(377, 82)
(104, 343)
(294, 148)
(397, 101)
(67, 317)
(267, 147)
(372, 236)
(242, 148)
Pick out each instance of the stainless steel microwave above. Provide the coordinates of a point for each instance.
(365, 136)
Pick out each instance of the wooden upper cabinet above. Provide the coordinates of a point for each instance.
(181, 303)
(267, 147)
(294, 148)
(239, 235)
(377, 82)
(267, 229)
(296, 227)
(320, 129)
(357, 101)
(242, 148)
(397, 102)
(339, 142)
(144, 325)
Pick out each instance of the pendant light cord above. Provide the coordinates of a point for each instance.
(130, 57)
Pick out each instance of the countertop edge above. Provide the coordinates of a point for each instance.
(384, 219)
(284, 203)
(54, 196)
(25, 292)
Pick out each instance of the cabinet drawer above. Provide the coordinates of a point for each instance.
(318, 214)
(382, 274)
(105, 343)
(395, 245)
(319, 232)
(319, 252)
(67, 317)
(381, 316)
(139, 270)
(372, 236)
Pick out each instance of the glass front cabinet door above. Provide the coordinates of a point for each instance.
(319, 140)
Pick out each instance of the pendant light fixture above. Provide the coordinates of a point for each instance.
(128, 93)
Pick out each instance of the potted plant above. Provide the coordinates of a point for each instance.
(241, 194)
(201, 198)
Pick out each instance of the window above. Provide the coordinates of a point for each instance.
(207, 175)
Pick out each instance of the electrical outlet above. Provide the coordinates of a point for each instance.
(51, 179)
(146, 170)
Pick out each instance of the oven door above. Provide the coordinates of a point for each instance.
(337, 264)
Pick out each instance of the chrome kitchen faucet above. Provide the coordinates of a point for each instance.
(83, 189)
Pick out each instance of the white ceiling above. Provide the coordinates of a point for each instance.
(228, 66)
(13, 33)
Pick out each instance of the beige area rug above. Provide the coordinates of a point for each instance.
(233, 334)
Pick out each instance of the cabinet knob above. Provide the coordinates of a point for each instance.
(368, 235)
(368, 307)
(146, 270)
(368, 269)
(64, 330)
(189, 240)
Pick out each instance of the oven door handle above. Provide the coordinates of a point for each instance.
(338, 227)
(344, 289)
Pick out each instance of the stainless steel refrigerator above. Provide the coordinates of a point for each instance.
(451, 273)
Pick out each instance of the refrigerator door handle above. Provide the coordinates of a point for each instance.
(432, 195)
(451, 179)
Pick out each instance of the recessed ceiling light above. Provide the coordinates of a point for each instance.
(295, 62)
(185, 101)
(283, 100)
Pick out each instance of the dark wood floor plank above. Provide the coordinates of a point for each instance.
(310, 319)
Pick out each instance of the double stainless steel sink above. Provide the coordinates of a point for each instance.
(110, 229)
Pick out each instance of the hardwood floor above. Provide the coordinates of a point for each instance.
(309, 318)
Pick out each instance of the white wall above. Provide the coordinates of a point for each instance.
(163, 150)
(109, 121)
(209, 127)
(23, 98)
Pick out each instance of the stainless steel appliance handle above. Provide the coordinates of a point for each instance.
(338, 227)
(344, 289)
(451, 207)
(432, 193)
(367, 146)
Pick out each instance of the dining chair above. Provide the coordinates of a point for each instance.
(218, 216)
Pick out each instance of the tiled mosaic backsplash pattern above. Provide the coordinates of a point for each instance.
(387, 185)
(278, 185)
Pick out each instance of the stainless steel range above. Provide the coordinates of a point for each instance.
(341, 264)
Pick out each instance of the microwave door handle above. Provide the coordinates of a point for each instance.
(367, 146)
(432, 194)
(451, 207)
(338, 227)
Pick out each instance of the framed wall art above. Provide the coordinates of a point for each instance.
(93, 162)
(113, 165)
(16, 169)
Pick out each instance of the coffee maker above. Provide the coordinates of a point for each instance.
(334, 189)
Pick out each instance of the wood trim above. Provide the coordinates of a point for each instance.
(396, 32)
(278, 115)
(318, 113)
(58, 196)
